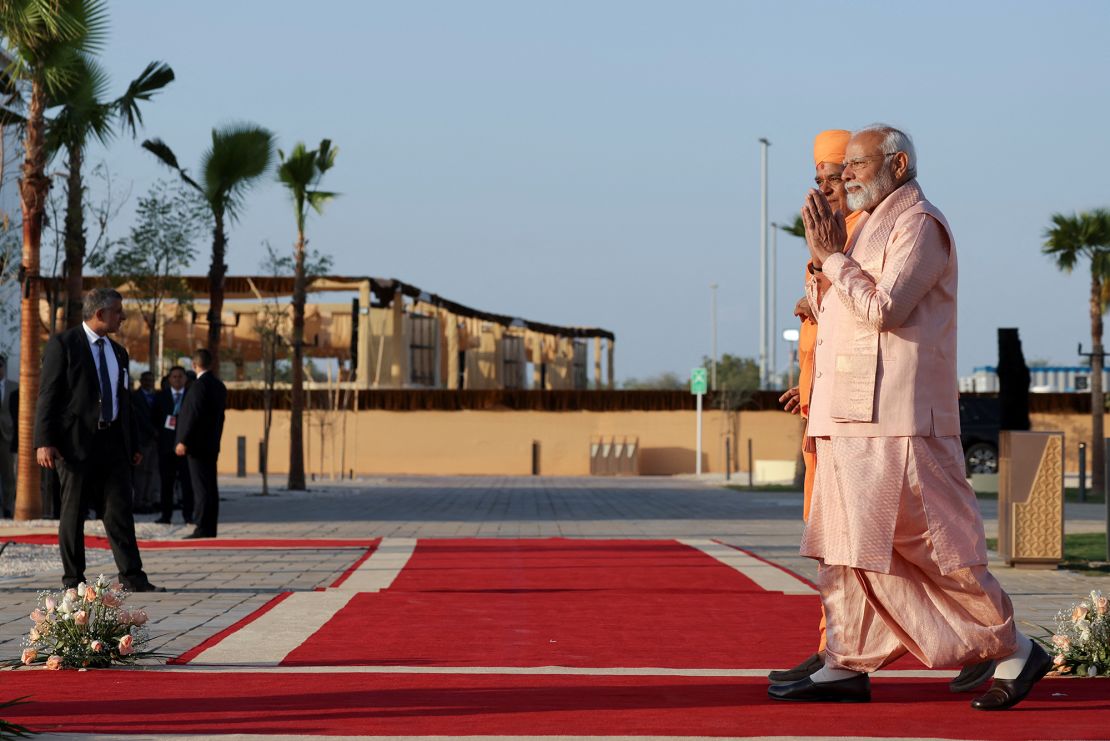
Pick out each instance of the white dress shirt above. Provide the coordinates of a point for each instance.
(113, 365)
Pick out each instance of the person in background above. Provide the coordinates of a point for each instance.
(173, 468)
(145, 478)
(200, 425)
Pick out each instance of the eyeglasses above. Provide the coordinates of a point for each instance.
(860, 161)
(832, 180)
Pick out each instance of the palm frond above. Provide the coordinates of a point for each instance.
(161, 150)
(797, 228)
(152, 79)
(240, 154)
(317, 198)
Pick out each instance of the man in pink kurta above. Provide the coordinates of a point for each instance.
(894, 524)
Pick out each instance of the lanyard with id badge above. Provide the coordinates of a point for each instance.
(171, 419)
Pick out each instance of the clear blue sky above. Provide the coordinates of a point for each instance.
(596, 162)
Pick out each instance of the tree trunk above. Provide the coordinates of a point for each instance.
(1098, 445)
(74, 238)
(152, 346)
(32, 189)
(216, 272)
(296, 414)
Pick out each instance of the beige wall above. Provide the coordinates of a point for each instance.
(500, 442)
(1076, 429)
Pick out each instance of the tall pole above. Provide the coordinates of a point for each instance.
(772, 333)
(713, 364)
(763, 144)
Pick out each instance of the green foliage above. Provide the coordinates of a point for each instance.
(1082, 235)
(168, 220)
(667, 381)
(282, 265)
(301, 173)
(736, 374)
(240, 154)
(49, 40)
(796, 228)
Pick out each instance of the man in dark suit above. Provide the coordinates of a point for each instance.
(199, 427)
(174, 469)
(9, 416)
(145, 475)
(84, 430)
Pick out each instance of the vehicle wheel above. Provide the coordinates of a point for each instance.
(981, 458)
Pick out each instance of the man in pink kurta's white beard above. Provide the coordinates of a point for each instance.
(894, 524)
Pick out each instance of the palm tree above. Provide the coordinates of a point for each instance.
(47, 40)
(240, 154)
(84, 114)
(301, 172)
(1087, 236)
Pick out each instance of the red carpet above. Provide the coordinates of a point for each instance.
(565, 603)
(460, 705)
(97, 541)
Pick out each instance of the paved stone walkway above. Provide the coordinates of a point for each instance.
(211, 589)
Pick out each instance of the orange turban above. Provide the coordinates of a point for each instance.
(829, 146)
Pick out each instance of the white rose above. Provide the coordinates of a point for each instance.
(81, 589)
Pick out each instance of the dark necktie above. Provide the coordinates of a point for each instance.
(105, 385)
(176, 402)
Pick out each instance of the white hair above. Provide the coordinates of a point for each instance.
(894, 140)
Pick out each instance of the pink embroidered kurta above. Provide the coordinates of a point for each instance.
(885, 394)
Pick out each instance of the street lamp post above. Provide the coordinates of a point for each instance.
(764, 144)
(713, 364)
(791, 336)
(772, 302)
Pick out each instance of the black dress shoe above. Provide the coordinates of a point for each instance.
(801, 671)
(147, 587)
(971, 676)
(1006, 693)
(198, 534)
(852, 689)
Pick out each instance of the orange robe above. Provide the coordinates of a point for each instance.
(807, 347)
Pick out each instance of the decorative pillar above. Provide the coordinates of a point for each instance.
(452, 350)
(597, 362)
(397, 345)
(612, 385)
(537, 360)
(365, 372)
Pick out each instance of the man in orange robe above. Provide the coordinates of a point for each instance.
(828, 156)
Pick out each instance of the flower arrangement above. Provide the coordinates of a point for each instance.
(85, 627)
(1081, 641)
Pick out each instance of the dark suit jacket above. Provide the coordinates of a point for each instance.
(145, 420)
(69, 393)
(200, 423)
(163, 407)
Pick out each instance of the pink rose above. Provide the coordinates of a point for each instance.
(54, 662)
(50, 603)
(38, 615)
(1079, 613)
(125, 617)
(126, 645)
(97, 645)
(1102, 605)
(34, 635)
(81, 617)
(72, 594)
(139, 617)
(111, 600)
(1058, 660)
(1061, 642)
(117, 587)
(90, 595)
(29, 655)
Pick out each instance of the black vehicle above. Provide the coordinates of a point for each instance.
(979, 420)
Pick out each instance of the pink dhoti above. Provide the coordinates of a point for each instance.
(903, 557)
